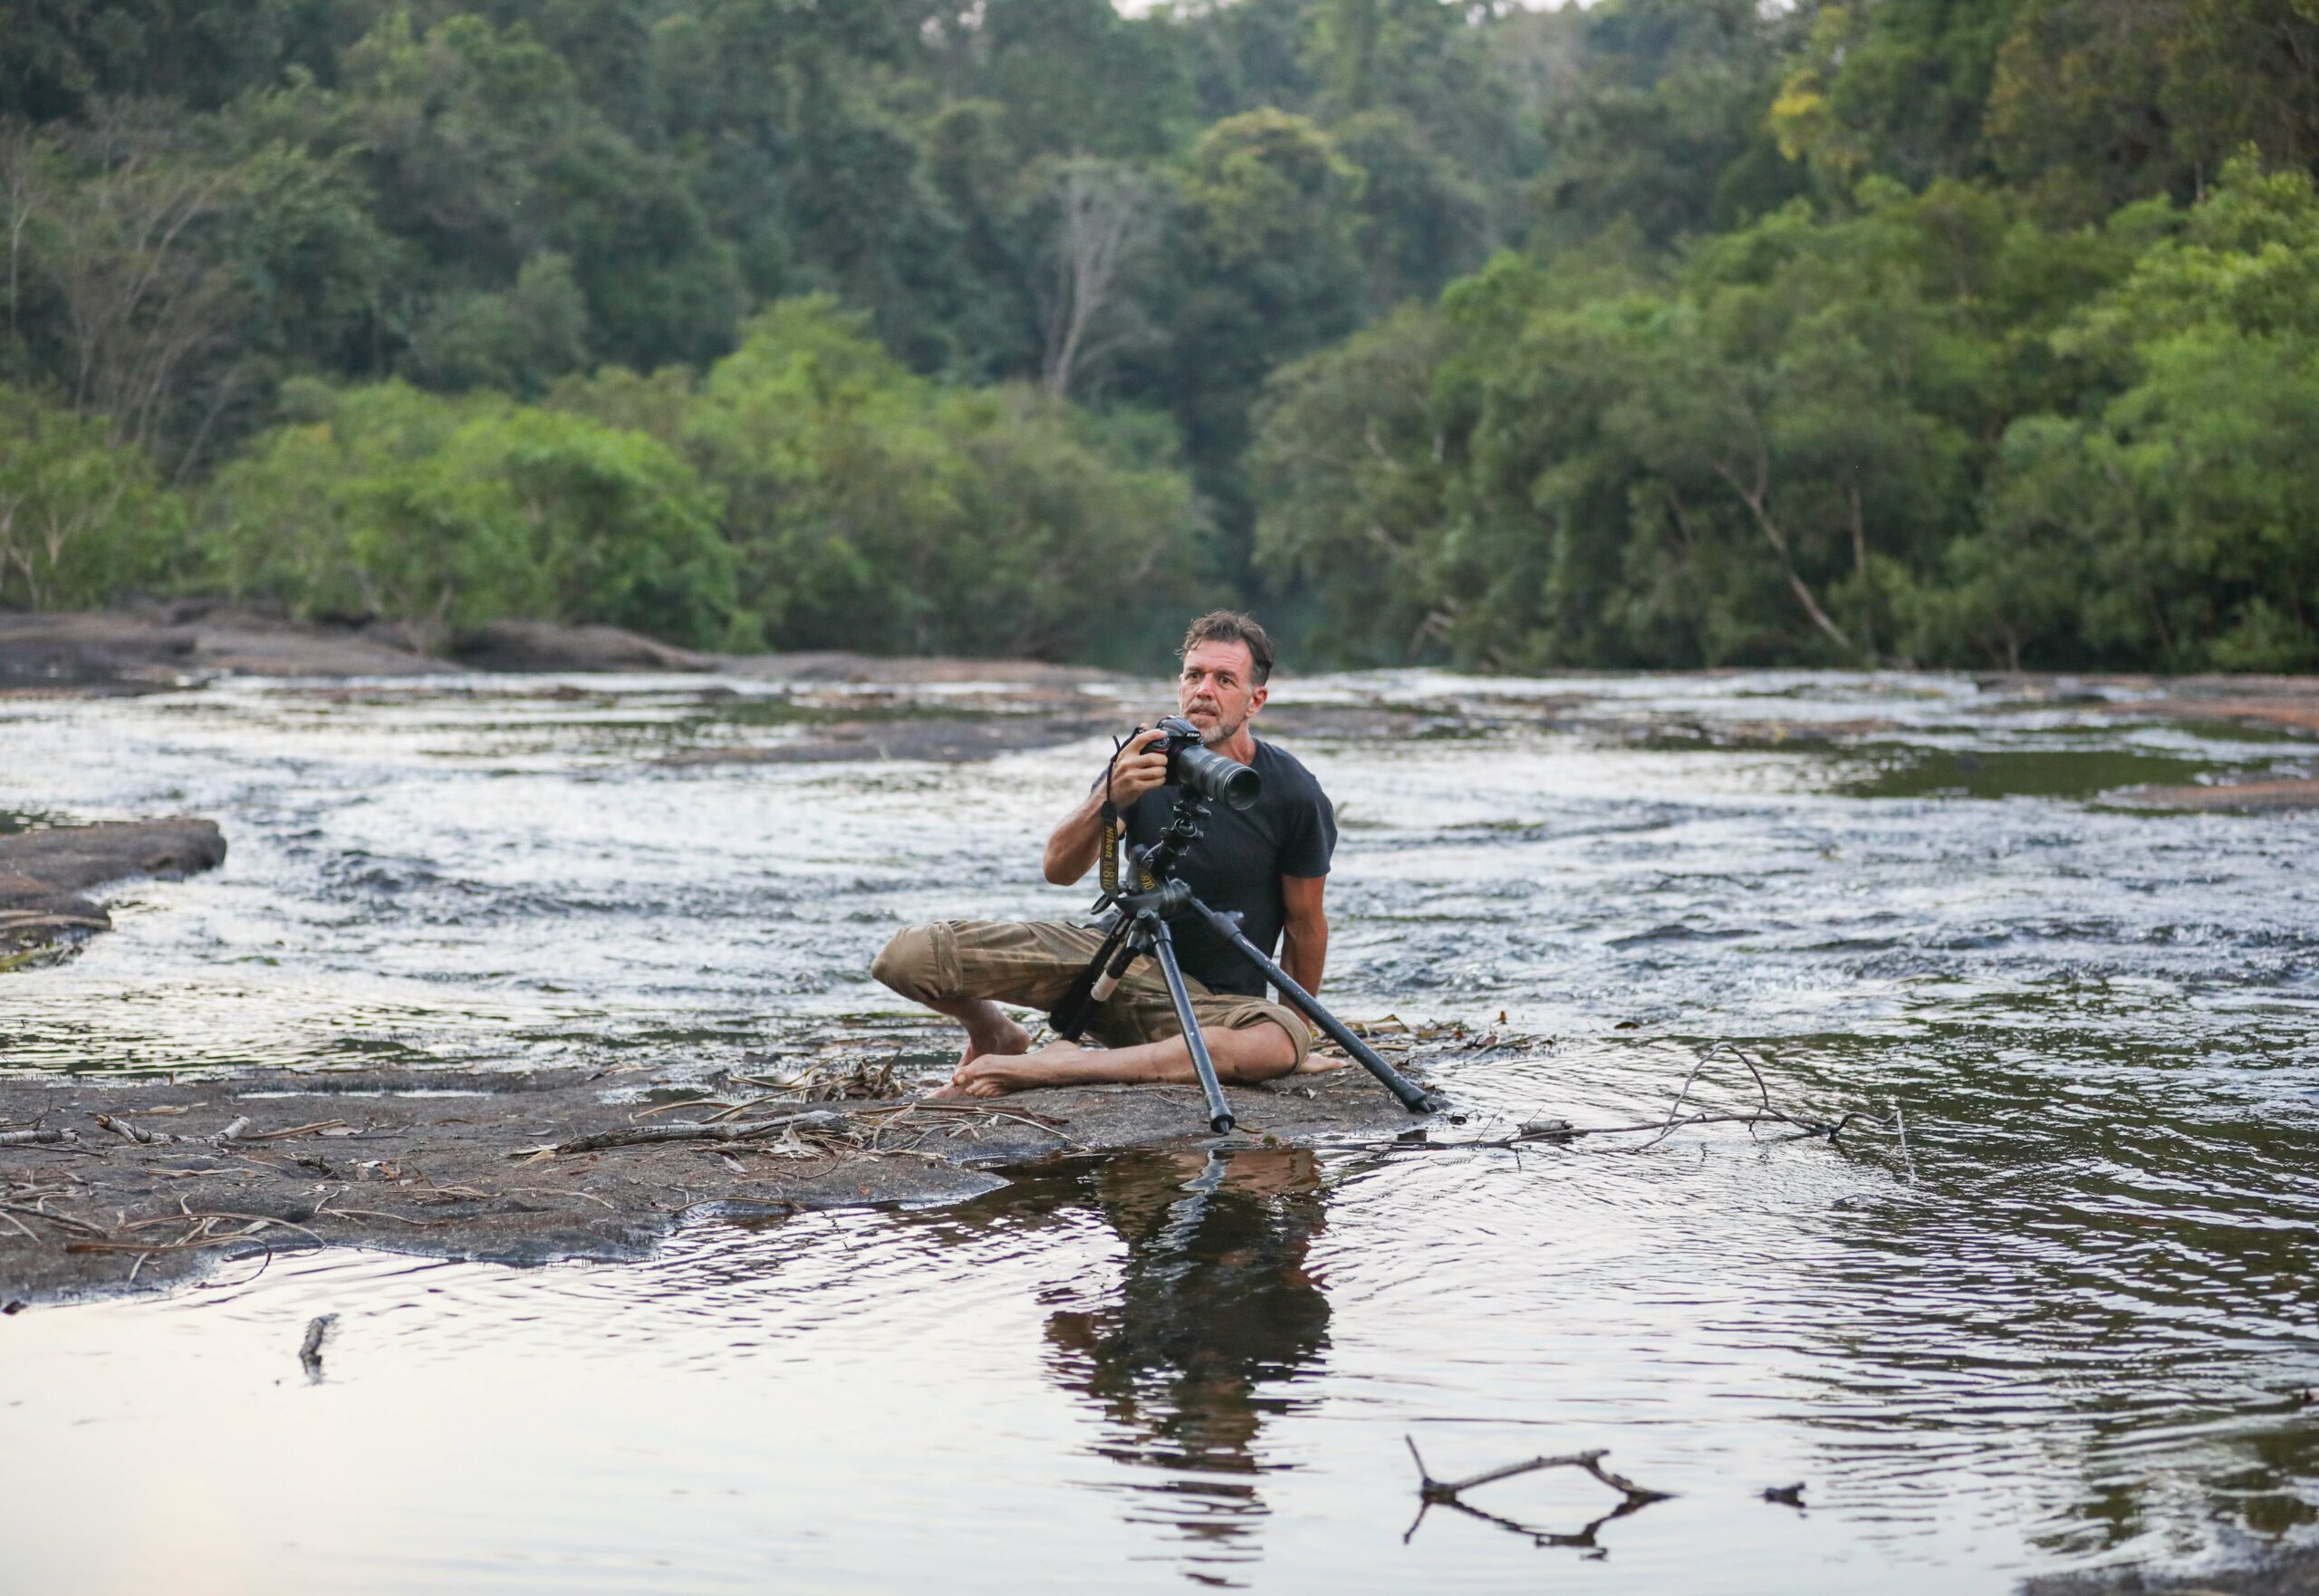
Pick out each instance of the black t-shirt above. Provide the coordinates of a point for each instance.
(1237, 865)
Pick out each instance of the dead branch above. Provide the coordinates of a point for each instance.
(1434, 1490)
(956, 1106)
(1433, 1493)
(1108, 216)
(237, 1131)
(652, 1135)
(1534, 1131)
(315, 1129)
(15, 921)
(61, 1221)
(42, 1137)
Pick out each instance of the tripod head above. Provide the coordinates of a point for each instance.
(1151, 868)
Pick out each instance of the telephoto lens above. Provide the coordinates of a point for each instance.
(1205, 771)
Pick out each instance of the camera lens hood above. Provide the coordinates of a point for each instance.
(1214, 777)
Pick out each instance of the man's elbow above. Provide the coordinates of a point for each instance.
(1059, 870)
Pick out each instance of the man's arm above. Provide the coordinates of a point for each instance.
(1305, 930)
(1140, 768)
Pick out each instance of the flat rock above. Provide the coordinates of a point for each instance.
(466, 1164)
(133, 652)
(2235, 798)
(545, 646)
(44, 873)
(947, 742)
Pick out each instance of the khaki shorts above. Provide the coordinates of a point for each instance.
(1033, 963)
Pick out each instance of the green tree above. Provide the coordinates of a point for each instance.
(1894, 87)
(1352, 472)
(873, 508)
(2095, 104)
(81, 518)
(1269, 268)
(2180, 517)
(1665, 123)
(437, 514)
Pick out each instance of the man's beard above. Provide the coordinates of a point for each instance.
(1222, 731)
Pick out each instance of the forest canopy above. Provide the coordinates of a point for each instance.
(1658, 333)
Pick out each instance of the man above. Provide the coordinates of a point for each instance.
(1269, 862)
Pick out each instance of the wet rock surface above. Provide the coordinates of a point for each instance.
(114, 1185)
(2232, 798)
(44, 874)
(2292, 1574)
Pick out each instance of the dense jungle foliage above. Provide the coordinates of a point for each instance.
(1662, 332)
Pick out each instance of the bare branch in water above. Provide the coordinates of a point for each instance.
(1434, 1492)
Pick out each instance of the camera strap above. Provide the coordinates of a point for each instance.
(1107, 865)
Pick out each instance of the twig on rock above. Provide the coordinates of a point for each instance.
(61, 1220)
(651, 1135)
(315, 1129)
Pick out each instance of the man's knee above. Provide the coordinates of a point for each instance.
(912, 965)
(1271, 1042)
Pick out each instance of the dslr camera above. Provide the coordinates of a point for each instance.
(1195, 767)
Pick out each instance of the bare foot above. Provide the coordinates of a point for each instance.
(996, 1074)
(996, 1035)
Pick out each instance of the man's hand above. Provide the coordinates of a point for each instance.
(1142, 767)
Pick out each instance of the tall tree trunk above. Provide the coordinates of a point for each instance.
(1860, 565)
(1755, 499)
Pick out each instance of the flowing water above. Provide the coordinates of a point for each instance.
(2054, 1308)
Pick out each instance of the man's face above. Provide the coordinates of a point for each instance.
(1217, 692)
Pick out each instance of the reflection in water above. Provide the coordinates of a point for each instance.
(1216, 1310)
(1581, 1539)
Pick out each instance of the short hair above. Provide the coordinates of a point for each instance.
(1229, 626)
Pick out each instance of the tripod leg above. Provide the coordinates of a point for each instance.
(1094, 983)
(1163, 948)
(1413, 1097)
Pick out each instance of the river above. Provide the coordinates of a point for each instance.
(2047, 1305)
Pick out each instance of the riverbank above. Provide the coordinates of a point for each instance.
(160, 648)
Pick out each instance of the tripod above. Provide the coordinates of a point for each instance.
(1139, 929)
